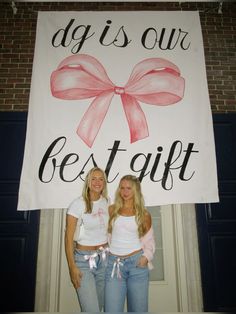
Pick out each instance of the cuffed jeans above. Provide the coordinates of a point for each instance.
(91, 291)
(125, 278)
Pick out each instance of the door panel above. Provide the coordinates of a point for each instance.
(217, 224)
(18, 230)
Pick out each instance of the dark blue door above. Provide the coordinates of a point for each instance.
(18, 230)
(217, 224)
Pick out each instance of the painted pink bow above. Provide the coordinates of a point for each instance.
(154, 81)
(99, 214)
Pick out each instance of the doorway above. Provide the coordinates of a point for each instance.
(175, 282)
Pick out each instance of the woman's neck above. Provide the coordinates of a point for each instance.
(127, 209)
(94, 196)
(128, 204)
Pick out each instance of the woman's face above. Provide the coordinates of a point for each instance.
(97, 182)
(126, 191)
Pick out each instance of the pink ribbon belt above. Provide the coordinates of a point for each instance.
(154, 81)
(91, 259)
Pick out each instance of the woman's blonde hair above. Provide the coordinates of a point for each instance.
(86, 188)
(139, 208)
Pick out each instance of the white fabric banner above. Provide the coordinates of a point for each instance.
(126, 91)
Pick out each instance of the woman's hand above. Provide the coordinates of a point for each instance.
(143, 261)
(75, 276)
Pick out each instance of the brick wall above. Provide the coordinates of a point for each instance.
(17, 38)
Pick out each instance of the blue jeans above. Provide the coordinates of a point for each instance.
(91, 291)
(125, 279)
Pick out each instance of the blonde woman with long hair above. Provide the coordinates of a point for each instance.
(132, 247)
(86, 248)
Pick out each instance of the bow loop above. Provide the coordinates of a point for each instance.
(79, 77)
(89, 65)
(158, 89)
(149, 66)
(156, 81)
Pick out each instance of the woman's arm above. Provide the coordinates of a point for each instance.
(74, 271)
(148, 243)
(110, 211)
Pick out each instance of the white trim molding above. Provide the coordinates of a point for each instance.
(190, 287)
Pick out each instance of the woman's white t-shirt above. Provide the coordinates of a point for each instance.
(93, 226)
(124, 237)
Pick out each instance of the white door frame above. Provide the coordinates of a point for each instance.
(186, 252)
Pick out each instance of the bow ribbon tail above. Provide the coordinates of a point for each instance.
(91, 122)
(113, 270)
(116, 267)
(135, 117)
(104, 252)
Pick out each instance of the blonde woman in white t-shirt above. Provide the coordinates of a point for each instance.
(132, 246)
(86, 241)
